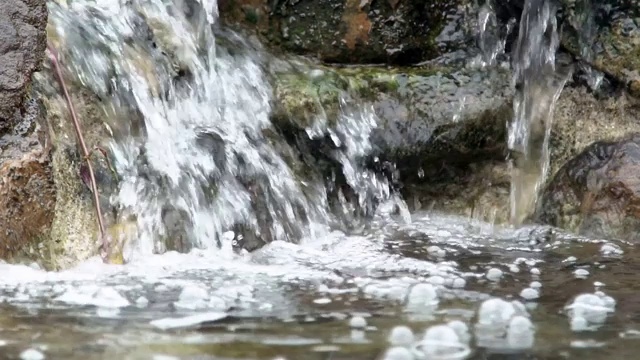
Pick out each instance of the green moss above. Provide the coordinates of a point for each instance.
(251, 16)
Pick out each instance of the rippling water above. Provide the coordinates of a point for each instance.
(406, 286)
(339, 296)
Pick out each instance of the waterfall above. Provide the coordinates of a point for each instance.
(538, 85)
(192, 131)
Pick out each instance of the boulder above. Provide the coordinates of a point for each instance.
(22, 45)
(605, 37)
(597, 193)
(357, 31)
(47, 214)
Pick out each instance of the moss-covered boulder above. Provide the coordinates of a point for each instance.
(356, 31)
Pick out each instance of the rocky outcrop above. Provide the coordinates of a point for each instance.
(26, 187)
(597, 193)
(22, 45)
(47, 212)
(355, 31)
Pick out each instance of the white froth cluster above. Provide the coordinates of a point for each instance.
(589, 311)
(102, 297)
(504, 325)
(494, 274)
(194, 297)
(422, 297)
(450, 341)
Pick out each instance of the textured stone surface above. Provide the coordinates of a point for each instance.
(27, 194)
(598, 192)
(22, 46)
(357, 31)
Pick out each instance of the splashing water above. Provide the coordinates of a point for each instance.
(202, 150)
(538, 86)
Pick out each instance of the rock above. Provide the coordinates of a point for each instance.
(605, 36)
(22, 44)
(441, 119)
(74, 233)
(429, 110)
(597, 193)
(357, 31)
(48, 215)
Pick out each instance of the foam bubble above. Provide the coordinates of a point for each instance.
(401, 336)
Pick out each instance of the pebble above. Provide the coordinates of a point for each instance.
(322, 301)
(534, 271)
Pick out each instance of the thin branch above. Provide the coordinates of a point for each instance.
(53, 56)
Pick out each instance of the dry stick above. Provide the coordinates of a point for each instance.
(76, 124)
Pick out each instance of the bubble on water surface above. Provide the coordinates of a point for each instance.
(188, 321)
(494, 274)
(401, 336)
(358, 322)
(398, 353)
(192, 297)
(520, 333)
(587, 311)
(32, 354)
(422, 297)
(530, 293)
(106, 297)
(581, 273)
(493, 321)
(441, 342)
(461, 329)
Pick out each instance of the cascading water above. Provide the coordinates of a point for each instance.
(538, 86)
(202, 152)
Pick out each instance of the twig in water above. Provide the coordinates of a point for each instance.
(53, 56)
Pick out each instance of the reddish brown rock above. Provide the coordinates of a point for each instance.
(357, 31)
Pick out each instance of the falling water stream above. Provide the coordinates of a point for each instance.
(193, 139)
(538, 85)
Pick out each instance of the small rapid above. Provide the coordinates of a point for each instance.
(193, 140)
(345, 271)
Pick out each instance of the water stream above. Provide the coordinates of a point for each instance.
(538, 85)
(193, 138)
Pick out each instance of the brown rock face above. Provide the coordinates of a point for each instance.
(22, 45)
(356, 31)
(598, 192)
(27, 195)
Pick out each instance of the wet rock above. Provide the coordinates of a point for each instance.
(27, 189)
(355, 31)
(22, 45)
(605, 36)
(597, 193)
(432, 110)
(176, 223)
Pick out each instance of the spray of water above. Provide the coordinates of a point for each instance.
(538, 86)
(201, 151)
